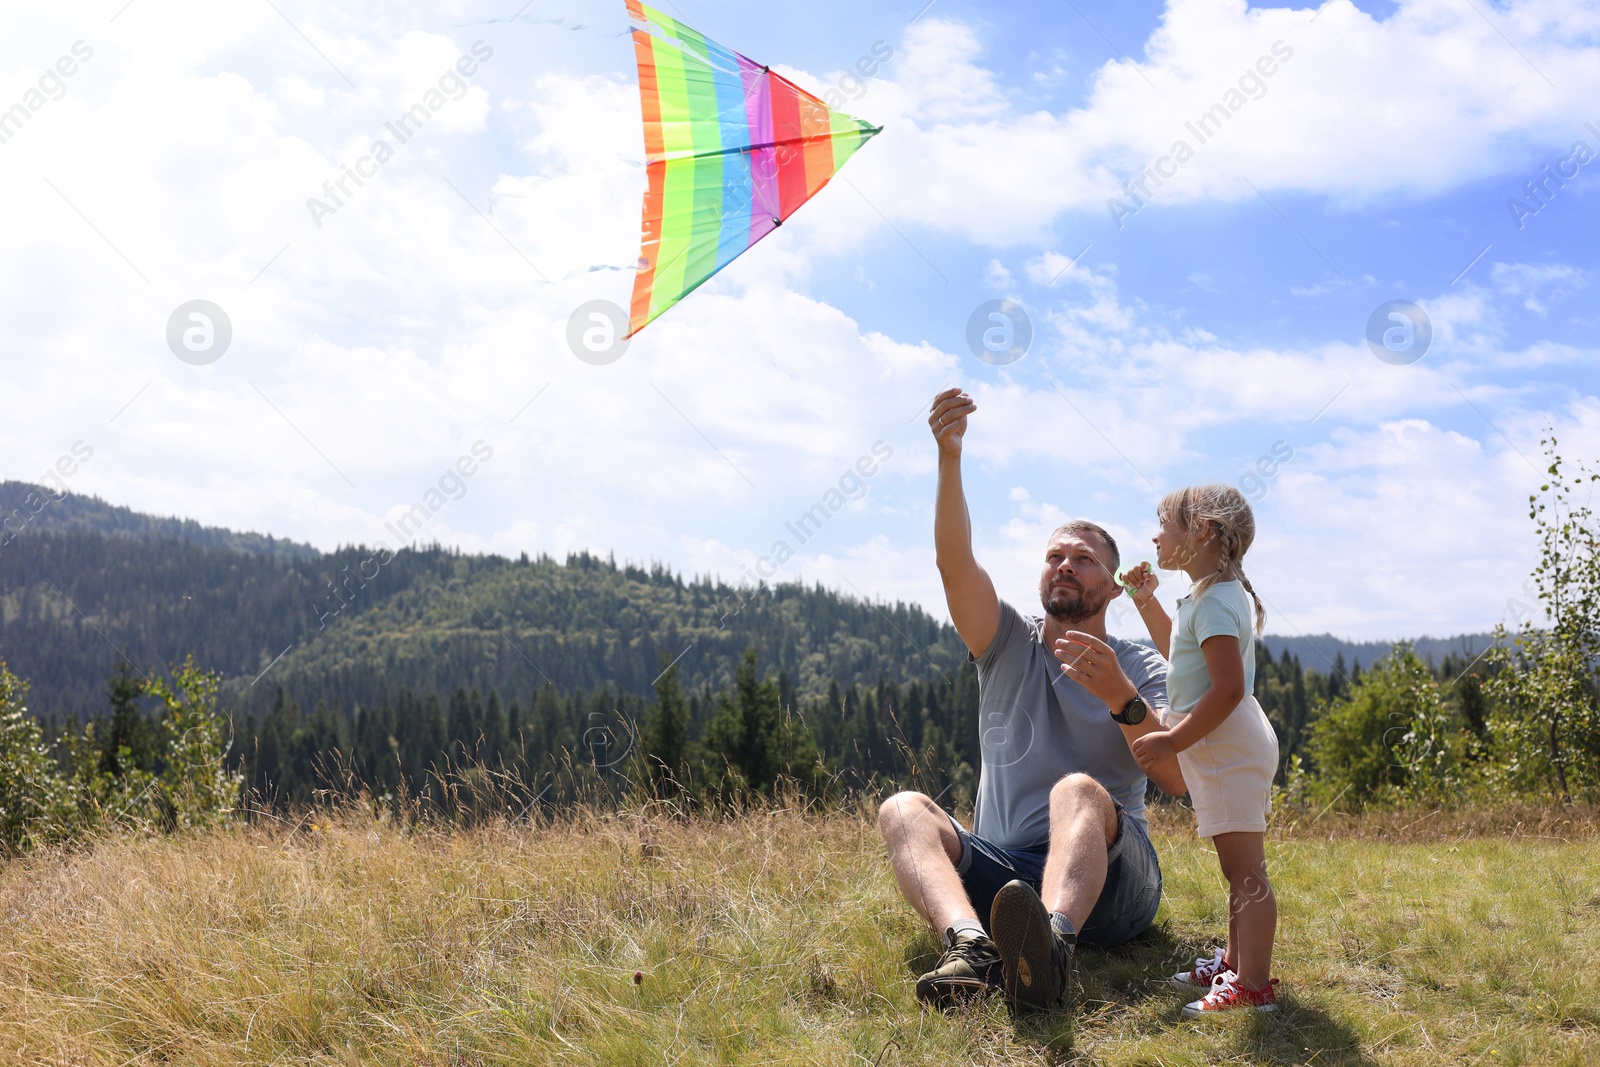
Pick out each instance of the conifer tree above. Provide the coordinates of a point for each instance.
(129, 742)
(664, 739)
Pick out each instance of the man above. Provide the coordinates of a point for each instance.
(1059, 848)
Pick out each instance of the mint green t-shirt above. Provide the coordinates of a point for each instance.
(1224, 610)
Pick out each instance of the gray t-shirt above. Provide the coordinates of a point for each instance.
(1036, 726)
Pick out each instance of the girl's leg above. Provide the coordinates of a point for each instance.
(1252, 907)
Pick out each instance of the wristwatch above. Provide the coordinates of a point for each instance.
(1132, 713)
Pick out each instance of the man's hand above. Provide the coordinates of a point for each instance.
(1154, 749)
(948, 419)
(1141, 582)
(1090, 662)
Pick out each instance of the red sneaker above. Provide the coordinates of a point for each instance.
(1205, 971)
(1229, 994)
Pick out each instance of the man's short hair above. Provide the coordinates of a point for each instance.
(1084, 526)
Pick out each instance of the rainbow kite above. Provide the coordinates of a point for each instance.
(732, 150)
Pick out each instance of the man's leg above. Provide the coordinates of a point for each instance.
(1036, 953)
(1083, 827)
(924, 851)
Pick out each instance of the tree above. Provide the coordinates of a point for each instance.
(1547, 719)
(464, 726)
(662, 768)
(754, 742)
(742, 738)
(271, 767)
(1391, 737)
(35, 803)
(128, 743)
(800, 762)
(196, 787)
(493, 750)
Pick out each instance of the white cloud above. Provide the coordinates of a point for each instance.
(1401, 530)
(1355, 109)
(997, 276)
(1540, 285)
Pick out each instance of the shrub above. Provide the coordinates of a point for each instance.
(1546, 718)
(195, 788)
(1392, 737)
(105, 787)
(35, 803)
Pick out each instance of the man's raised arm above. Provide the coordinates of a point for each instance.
(974, 605)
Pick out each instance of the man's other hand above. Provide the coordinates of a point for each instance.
(1090, 662)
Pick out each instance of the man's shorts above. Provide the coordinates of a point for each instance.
(1127, 905)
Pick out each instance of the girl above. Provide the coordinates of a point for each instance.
(1220, 735)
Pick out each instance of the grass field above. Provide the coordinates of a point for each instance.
(773, 939)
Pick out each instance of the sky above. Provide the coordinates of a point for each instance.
(1426, 172)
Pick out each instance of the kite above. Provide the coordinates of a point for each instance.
(732, 149)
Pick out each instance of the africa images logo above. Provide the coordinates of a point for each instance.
(199, 332)
(1399, 332)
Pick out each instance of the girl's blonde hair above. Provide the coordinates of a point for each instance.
(1226, 509)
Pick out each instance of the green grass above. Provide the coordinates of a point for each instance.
(773, 939)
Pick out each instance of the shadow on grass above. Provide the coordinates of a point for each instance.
(1124, 978)
(1110, 982)
(1301, 1034)
(922, 953)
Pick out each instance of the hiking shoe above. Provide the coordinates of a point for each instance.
(1229, 994)
(969, 968)
(1205, 970)
(1036, 958)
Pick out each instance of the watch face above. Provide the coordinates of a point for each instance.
(1134, 713)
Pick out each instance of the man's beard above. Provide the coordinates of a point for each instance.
(1074, 605)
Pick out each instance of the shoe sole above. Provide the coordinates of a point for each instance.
(948, 992)
(1021, 927)
(1190, 1012)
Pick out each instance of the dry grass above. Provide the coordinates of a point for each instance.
(774, 938)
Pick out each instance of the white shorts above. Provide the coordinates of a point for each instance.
(1229, 771)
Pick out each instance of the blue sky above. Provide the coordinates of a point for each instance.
(1222, 322)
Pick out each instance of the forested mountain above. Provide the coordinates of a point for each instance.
(1320, 651)
(357, 666)
(83, 582)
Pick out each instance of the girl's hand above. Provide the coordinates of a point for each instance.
(1141, 582)
(1153, 749)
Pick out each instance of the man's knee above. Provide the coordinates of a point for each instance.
(1079, 796)
(1081, 791)
(914, 813)
(902, 811)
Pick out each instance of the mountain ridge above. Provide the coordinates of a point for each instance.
(87, 580)
(64, 512)
(84, 582)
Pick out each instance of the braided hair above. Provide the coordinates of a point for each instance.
(1233, 524)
